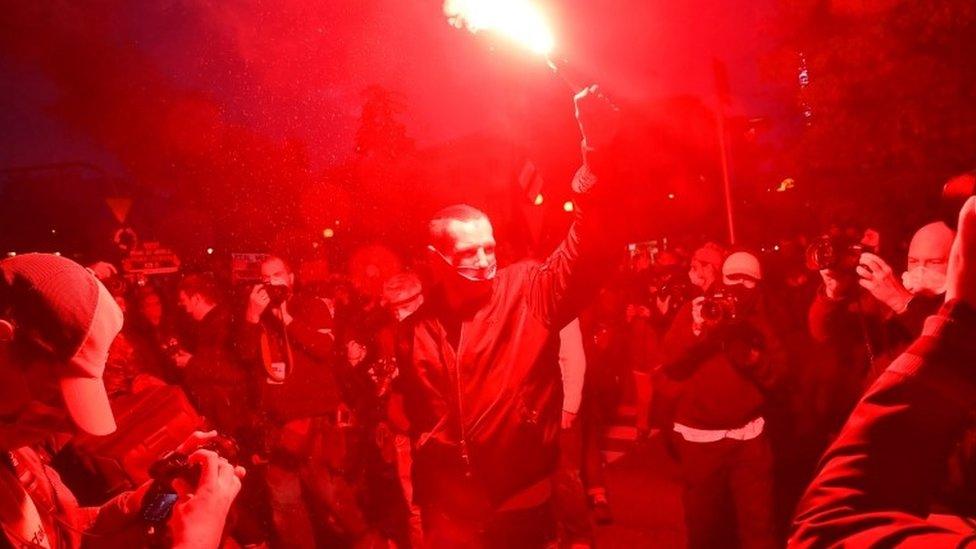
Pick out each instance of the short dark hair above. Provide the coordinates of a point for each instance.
(200, 284)
(437, 227)
(277, 257)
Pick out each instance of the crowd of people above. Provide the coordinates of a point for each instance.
(464, 404)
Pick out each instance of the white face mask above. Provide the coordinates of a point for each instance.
(478, 274)
(472, 274)
(922, 280)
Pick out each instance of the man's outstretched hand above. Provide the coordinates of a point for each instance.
(961, 273)
(598, 118)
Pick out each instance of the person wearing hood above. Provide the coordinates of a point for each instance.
(57, 322)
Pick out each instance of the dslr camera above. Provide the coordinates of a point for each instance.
(279, 293)
(157, 505)
(836, 254)
(720, 307)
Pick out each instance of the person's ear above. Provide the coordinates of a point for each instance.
(6, 331)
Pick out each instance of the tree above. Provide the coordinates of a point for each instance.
(890, 97)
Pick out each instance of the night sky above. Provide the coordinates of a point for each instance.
(294, 69)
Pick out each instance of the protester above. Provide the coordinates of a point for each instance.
(575, 527)
(479, 363)
(402, 296)
(605, 341)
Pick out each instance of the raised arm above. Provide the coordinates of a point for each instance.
(566, 281)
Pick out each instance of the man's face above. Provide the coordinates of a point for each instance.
(275, 272)
(701, 274)
(930, 255)
(193, 305)
(473, 251)
(928, 258)
(31, 407)
(151, 308)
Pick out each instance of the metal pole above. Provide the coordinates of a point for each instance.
(726, 180)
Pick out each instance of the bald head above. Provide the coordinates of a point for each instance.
(928, 259)
(930, 246)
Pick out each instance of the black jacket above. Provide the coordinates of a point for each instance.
(503, 378)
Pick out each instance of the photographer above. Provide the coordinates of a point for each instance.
(287, 341)
(659, 293)
(723, 351)
(56, 325)
(866, 315)
(878, 480)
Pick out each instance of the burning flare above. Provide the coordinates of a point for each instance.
(519, 20)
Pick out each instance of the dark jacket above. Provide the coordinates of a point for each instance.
(878, 479)
(503, 378)
(720, 389)
(860, 337)
(310, 388)
(213, 378)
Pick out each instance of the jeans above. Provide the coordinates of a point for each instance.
(715, 473)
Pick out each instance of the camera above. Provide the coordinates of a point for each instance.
(158, 503)
(175, 465)
(677, 290)
(720, 306)
(279, 293)
(835, 254)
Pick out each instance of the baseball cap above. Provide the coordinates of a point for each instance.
(61, 309)
(742, 264)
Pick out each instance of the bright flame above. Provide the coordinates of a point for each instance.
(538, 199)
(519, 20)
(568, 206)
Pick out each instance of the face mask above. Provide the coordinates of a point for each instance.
(478, 274)
(747, 298)
(472, 274)
(922, 280)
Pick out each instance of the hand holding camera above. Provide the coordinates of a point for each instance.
(834, 285)
(878, 278)
(718, 308)
(258, 301)
(192, 490)
(198, 519)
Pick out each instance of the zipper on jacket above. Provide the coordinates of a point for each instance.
(463, 442)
